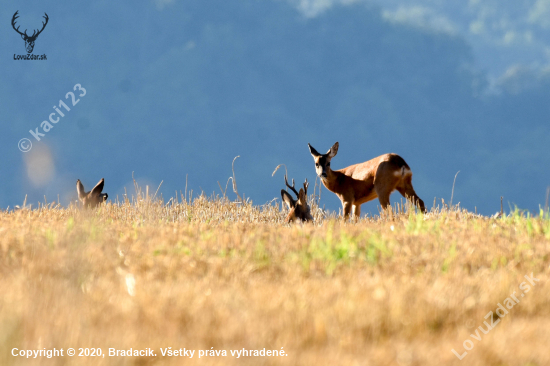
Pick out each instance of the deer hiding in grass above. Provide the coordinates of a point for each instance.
(363, 182)
(93, 198)
(299, 209)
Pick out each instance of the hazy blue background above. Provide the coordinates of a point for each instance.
(179, 88)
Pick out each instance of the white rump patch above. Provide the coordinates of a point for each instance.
(402, 172)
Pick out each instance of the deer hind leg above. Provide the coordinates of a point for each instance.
(383, 189)
(384, 197)
(347, 206)
(385, 182)
(406, 189)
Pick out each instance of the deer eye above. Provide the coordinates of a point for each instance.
(328, 164)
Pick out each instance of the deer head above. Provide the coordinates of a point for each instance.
(94, 197)
(29, 40)
(299, 209)
(322, 161)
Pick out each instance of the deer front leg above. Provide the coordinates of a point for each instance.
(347, 209)
(357, 211)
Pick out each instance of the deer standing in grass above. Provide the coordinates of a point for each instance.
(299, 209)
(93, 198)
(363, 182)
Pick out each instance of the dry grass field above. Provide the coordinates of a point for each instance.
(210, 274)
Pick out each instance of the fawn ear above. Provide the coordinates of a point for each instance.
(302, 199)
(98, 188)
(313, 152)
(287, 198)
(80, 189)
(333, 150)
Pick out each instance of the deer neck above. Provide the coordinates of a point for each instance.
(331, 181)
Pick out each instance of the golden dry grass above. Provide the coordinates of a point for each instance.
(402, 289)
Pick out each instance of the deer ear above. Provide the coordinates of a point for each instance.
(333, 150)
(80, 189)
(302, 199)
(287, 198)
(313, 151)
(98, 188)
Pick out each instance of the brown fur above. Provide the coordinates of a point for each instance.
(93, 198)
(299, 209)
(363, 182)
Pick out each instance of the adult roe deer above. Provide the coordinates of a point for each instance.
(94, 197)
(299, 209)
(363, 182)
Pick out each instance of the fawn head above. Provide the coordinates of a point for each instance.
(299, 209)
(322, 161)
(94, 197)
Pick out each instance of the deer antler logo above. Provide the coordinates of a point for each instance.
(29, 40)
